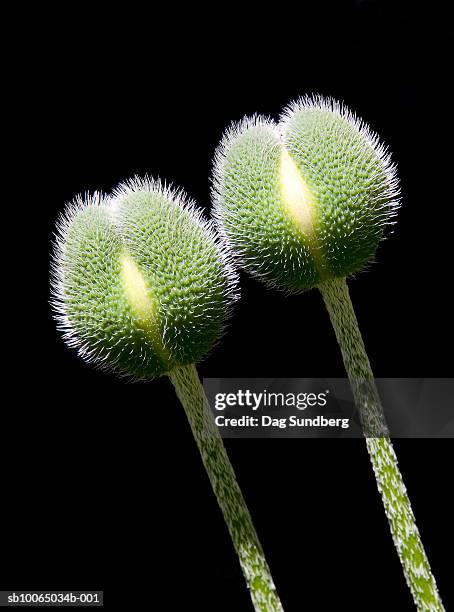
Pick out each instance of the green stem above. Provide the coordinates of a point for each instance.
(389, 480)
(225, 486)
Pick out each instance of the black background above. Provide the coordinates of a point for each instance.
(103, 485)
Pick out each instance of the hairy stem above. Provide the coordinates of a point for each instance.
(389, 480)
(230, 499)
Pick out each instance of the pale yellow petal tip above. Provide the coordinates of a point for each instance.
(136, 291)
(297, 198)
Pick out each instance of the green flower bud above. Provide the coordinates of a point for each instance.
(141, 283)
(305, 200)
